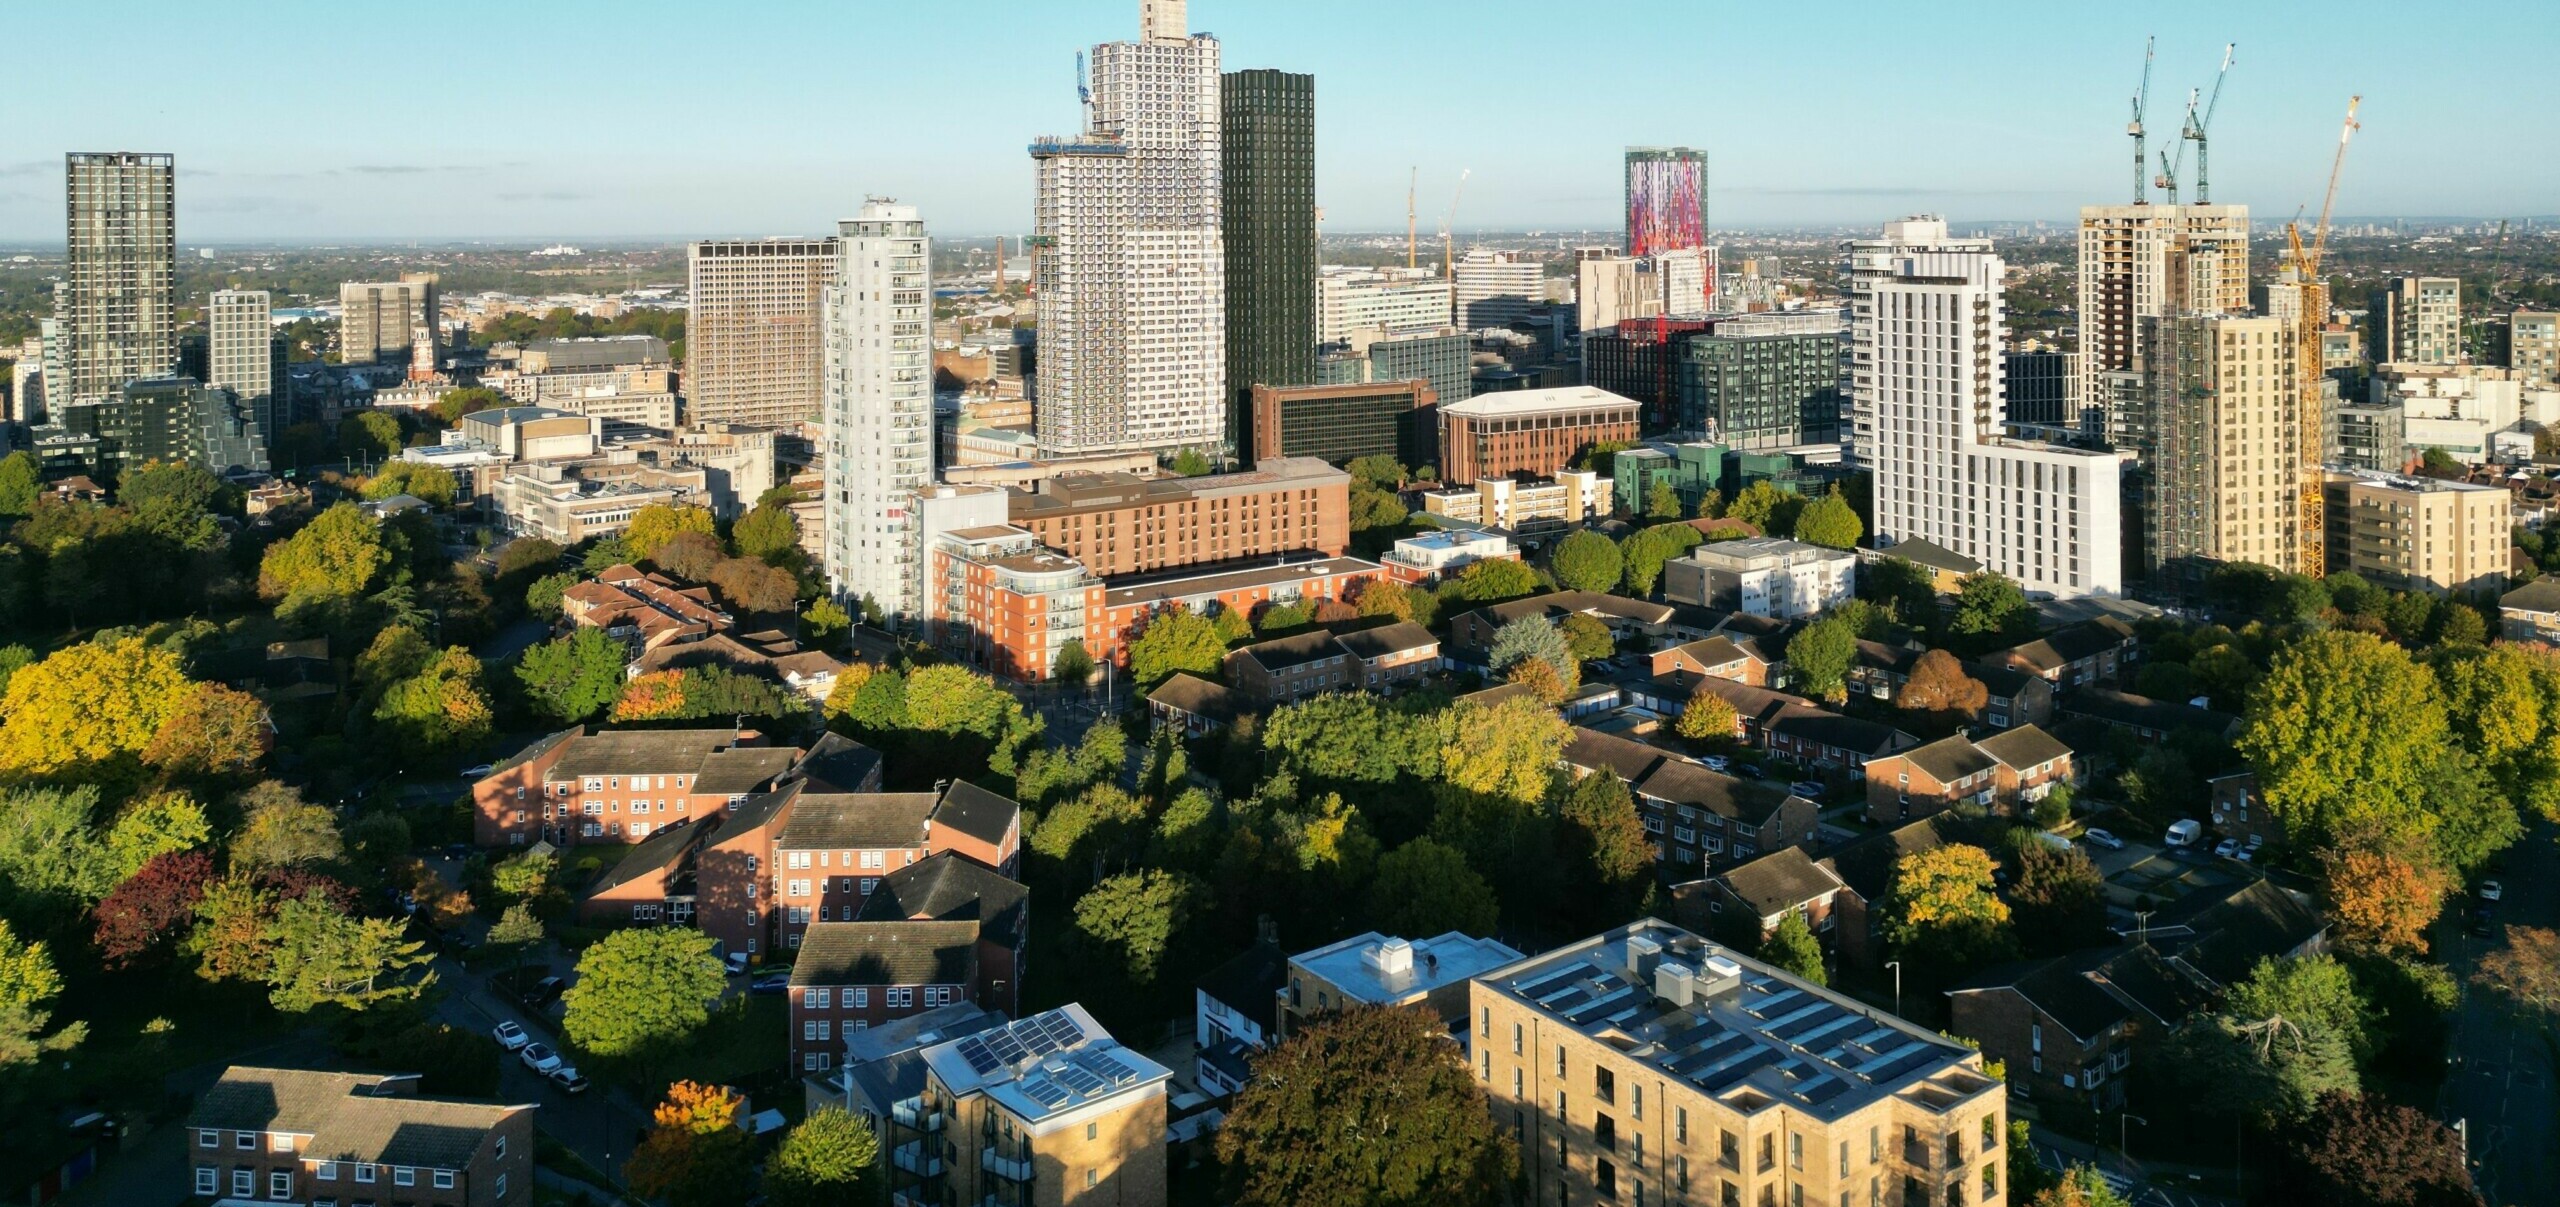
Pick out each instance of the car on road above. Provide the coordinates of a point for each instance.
(2490, 890)
(539, 1058)
(569, 1079)
(2226, 848)
(478, 771)
(510, 1036)
(2102, 838)
(770, 983)
(1808, 789)
(735, 961)
(1717, 762)
(2482, 925)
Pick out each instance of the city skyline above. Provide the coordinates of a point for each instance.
(2012, 114)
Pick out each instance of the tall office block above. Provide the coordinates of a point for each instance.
(245, 357)
(1269, 140)
(878, 405)
(118, 307)
(1764, 381)
(1928, 406)
(1132, 302)
(753, 354)
(2533, 348)
(2226, 437)
(2417, 320)
(381, 321)
(2124, 273)
(1494, 288)
(1389, 300)
(1666, 199)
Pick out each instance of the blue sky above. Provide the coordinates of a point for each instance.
(294, 119)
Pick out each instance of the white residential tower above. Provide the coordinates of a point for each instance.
(877, 392)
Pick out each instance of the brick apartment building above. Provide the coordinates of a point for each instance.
(2011, 769)
(1699, 820)
(1115, 524)
(294, 1136)
(1048, 1110)
(620, 786)
(1529, 431)
(943, 931)
(834, 849)
(644, 611)
(1373, 659)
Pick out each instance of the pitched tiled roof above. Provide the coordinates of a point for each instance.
(1197, 696)
(1932, 555)
(1387, 640)
(1299, 649)
(855, 820)
(976, 812)
(1681, 782)
(1780, 880)
(640, 752)
(2060, 988)
(2003, 682)
(1866, 864)
(1558, 604)
(744, 769)
(2023, 747)
(887, 953)
(1592, 751)
(1949, 758)
(949, 888)
(2227, 933)
(2071, 643)
(2540, 595)
(1894, 658)
(837, 763)
(662, 853)
(1823, 727)
(350, 1116)
(1714, 651)
(2143, 712)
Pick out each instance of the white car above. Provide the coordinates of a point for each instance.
(2490, 890)
(2226, 848)
(481, 771)
(2102, 838)
(510, 1036)
(1717, 762)
(539, 1058)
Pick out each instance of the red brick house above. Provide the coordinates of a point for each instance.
(620, 786)
(2015, 697)
(2096, 651)
(296, 1136)
(834, 849)
(850, 976)
(1305, 664)
(2006, 769)
(2239, 810)
(2067, 1026)
(1719, 657)
(1194, 705)
(950, 888)
(1865, 867)
(1698, 819)
(1752, 898)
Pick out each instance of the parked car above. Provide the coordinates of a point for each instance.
(1751, 771)
(2185, 832)
(569, 1079)
(2102, 838)
(2490, 890)
(736, 962)
(2482, 926)
(2256, 841)
(539, 1058)
(2226, 848)
(546, 990)
(770, 983)
(479, 771)
(510, 1036)
(1808, 789)
(1717, 762)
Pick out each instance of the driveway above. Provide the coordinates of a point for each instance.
(2501, 1088)
(600, 1125)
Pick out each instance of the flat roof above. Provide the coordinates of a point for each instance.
(1048, 1065)
(1537, 402)
(1349, 965)
(1165, 590)
(1747, 1029)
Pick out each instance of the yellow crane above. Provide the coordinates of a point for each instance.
(2304, 269)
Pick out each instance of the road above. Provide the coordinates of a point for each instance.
(2150, 1185)
(600, 1125)
(2501, 1086)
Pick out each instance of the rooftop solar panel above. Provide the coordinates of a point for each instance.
(1532, 988)
(1081, 1080)
(1808, 1037)
(1707, 1057)
(1870, 1068)
(1734, 1072)
(1807, 1020)
(1900, 1065)
(981, 1061)
(1116, 1072)
(1775, 1002)
(1045, 1092)
(1770, 1024)
(1005, 1047)
(1821, 1090)
(1600, 1007)
(1063, 1028)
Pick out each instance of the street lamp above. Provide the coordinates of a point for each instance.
(1896, 966)
(2123, 1152)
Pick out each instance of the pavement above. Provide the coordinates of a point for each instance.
(2500, 1090)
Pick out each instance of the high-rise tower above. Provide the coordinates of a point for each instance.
(752, 347)
(119, 308)
(2124, 278)
(878, 388)
(381, 321)
(244, 356)
(1269, 137)
(1132, 252)
(1666, 199)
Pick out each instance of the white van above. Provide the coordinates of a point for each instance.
(2184, 833)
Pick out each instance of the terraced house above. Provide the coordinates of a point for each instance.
(327, 1139)
(1698, 819)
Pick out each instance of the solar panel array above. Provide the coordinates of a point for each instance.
(1047, 1093)
(981, 1061)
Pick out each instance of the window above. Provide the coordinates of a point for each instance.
(365, 1173)
(1990, 1180)
(1093, 1131)
(208, 1138)
(1605, 1084)
(1680, 1125)
(280, 1183)
(501, 1186)
(1844, 1158)
(1795, 1152)
(821, 999)
(402, 1175)
(1517, 1090)
(1515, 1039)
(814, 1029)
(326, 1171)
(245, 1141)
(861, 998)
(1768, 1152)
(1484, 1023)
(1639, 1100)
(1559, 1060)
(208, 1180)
(244, 1182)
(902, 997)
(1990, 1132)
(1729, 1151)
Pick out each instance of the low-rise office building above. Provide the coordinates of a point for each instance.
(1523, 503)
(1341, 423)
(1538, 432)
(1114, 524)
(1425, 558)
(1763, 576)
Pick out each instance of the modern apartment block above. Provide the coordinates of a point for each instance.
(754, 345)
(1269, 216)
(1443, 358)
(1764, 576)
(1647, 1064)
(1045, 1112)
(878, 405)
(2225, 427)
(1002, 600)
(1666, 199)
(1342, 423)
(1764, 381)
(1611, 289)
(1387, 300)
(1644, 359)
(383, 320)
(2419, 534)
(1495, 288)
(167, 419)
(1529, 431)
(245, 356)
(2533, 348)
(1929, 405)
(2417, 320)
(117, 306)
(2039, 388)
(1132, 268)
(2126, 276)
(1115, 524)
(2371, 436)
(296, 1136)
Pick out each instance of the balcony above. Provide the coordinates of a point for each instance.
(911, 1114)
(1011, 1169)
(918, 1158)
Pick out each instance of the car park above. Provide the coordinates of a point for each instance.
(2102, 838)
(2226, 848)
(510, 1036)
(539, 1058)
(569, 1079)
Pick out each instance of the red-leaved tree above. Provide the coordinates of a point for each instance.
(141, 917)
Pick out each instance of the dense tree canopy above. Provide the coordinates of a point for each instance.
(829, 1159)
(658, 523)
(1830, 521)
(336, 554)
(640, 988)
(1424, 888)
(1942, 907)
(89, 703)
(1819, 657)
(2356, 1151)
(1586, 561)
(1175, 640)
(573, 678)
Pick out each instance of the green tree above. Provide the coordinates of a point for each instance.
(1378, 470)
(1281, 619)
(824, 621)
(1496, 579)
(452, 405)
(641, 989)
(523, 877)
(2080, 1186)
(1532, 637)
(573, 678)
(1176, 639)
(658, 523)
(2344, 733)
(20, 480)
(336, 554)
(1819, 657)
(2061, 901)
(1426, 888)
(1371, 1107)
(1709, 717)
(542, 597)
(771, 534)
(323, 957)
(1768, 508)
(160, 824)
(369, 435)
(1991, 611)
(278, 829)
(1793, 948)
(440, 709)
(1942, 908)
(1662, 501)
(1587, 637)
(28, 985)
(428, 483)
(1232, 626)
(1189, 463)
(1072, 666)
(695, 1156)
(1586, 561)
(1508, 750)
(1830, 521)
(829, 1159)
(1134, 917)
(1644, 551)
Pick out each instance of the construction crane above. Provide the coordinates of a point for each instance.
(2141, 99)
(1448, 237)
(1413, 177)
(2195, 128)
(2167, 180)
(2304, 269)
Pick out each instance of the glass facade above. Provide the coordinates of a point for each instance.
(1269, 164)
(1762, 391)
